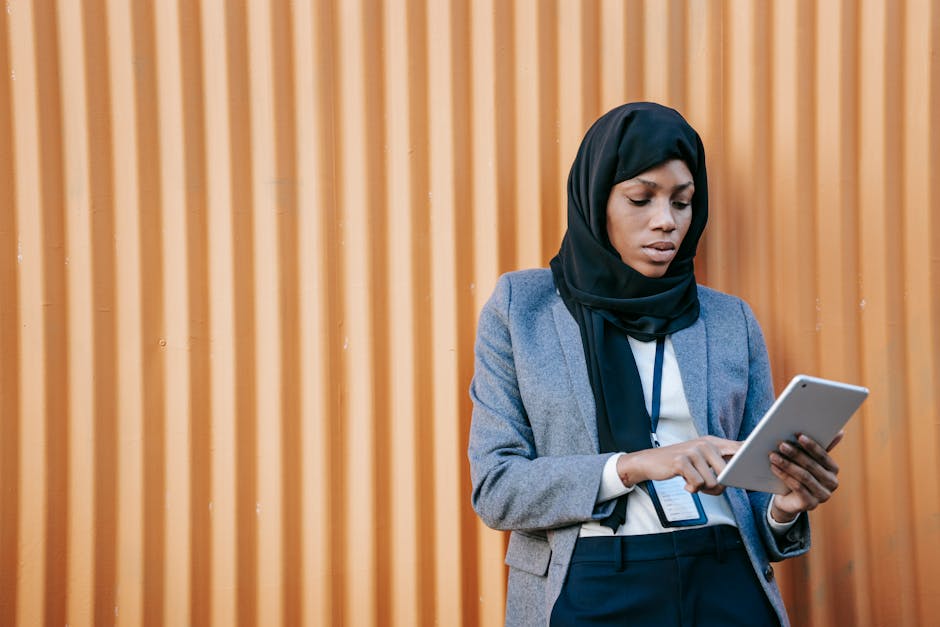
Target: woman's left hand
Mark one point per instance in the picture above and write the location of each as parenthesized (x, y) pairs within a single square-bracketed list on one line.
[(808, 471)]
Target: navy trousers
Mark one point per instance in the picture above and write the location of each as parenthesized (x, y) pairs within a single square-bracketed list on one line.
[(695, 577)]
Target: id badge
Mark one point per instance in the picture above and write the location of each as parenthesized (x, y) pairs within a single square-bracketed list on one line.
[(675, 506)]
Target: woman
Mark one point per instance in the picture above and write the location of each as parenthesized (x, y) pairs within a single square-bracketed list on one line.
[(606, 385)]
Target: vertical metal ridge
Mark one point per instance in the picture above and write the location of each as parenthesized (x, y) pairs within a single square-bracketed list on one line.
[(806, 170), (175, 310), (897, 300), (657, 44), (380, 269), (920, 396), (571, 102), (664, 47), (613, 40), (590, 76), (839, 289), (759, 239), (803, 45), (867, 50), (355, 172), (780, 147), (849, 115), (200, 410), (464, 219), (704, 110), (716, 239), (879, 242), (805, 337), (77, 209), (329, 57), (55, 314), (130, 429), (270, 187), (527, 198), (220, 467), (149, 241), (244, 294), (547, 129), (791, 209), (9, 342), (223, 553), (505, 77), (420, 297), (313, 89), (30, 283), (678, 56), (485, 59), (735, 115), (403, 156), (896, 164), (99, 155), (446, 530), (635, 53), (290, 479), (932, 290)]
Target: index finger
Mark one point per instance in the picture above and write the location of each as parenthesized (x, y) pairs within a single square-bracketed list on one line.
[(725, 448)]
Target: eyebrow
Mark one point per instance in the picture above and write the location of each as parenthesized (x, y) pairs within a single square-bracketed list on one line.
[(655, 185)]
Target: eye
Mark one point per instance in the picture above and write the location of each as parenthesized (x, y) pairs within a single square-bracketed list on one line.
[(639, 202), (681, 205)]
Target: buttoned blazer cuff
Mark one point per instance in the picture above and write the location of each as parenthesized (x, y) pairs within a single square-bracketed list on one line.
[(795, 541)]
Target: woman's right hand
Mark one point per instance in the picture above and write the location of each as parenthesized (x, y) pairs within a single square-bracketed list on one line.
[(698, 461)]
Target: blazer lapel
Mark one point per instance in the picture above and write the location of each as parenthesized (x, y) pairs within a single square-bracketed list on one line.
[(570, 336), (690, 345)]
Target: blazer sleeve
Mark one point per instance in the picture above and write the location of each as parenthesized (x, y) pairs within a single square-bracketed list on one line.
[(516, 486), (760, 396)]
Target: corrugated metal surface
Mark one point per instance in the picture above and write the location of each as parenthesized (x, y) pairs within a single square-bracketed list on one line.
[(243, 246)]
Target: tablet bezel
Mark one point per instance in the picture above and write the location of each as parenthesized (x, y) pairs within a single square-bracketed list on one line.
[(816, 407)]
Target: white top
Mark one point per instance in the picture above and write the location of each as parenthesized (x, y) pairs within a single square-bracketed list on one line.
[(675, 425)]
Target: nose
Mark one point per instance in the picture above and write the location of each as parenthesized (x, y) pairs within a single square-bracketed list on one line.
[(663, 218)]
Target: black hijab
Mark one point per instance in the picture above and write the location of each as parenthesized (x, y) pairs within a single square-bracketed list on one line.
[(609, 299)]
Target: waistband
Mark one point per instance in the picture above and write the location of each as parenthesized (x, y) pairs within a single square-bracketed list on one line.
[(714, 539)]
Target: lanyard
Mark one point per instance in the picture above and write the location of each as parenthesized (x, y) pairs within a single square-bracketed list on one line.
[(684, 509), (657, 388)]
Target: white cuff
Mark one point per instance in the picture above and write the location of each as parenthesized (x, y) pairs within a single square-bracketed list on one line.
[(611, 486), (778, 528)]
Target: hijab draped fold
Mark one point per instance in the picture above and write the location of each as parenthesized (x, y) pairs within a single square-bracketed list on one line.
[(610, 300)]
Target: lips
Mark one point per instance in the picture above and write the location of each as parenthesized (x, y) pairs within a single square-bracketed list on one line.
[(660, 252)]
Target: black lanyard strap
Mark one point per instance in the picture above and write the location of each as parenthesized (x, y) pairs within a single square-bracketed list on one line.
[(657, 388)]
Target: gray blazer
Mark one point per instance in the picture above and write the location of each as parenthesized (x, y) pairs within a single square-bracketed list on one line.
[(534, 459)]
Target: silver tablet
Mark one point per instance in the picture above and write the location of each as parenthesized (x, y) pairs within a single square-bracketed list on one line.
[(817, 407)]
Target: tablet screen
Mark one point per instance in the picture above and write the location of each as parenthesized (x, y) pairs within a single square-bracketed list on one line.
[(817, 407)]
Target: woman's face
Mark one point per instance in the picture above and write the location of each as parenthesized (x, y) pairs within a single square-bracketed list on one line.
[(649, 215)]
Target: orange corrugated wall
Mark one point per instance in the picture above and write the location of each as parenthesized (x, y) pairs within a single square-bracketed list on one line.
[(243, 246)]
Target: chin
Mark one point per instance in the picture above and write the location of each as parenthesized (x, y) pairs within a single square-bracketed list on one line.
[(654, 272), (646, 268)]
